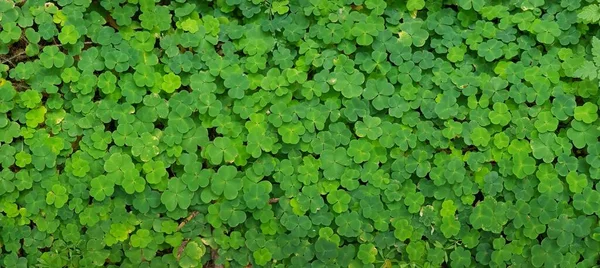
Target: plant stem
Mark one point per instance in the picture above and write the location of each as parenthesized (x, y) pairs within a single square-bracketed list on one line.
[(13, 57)]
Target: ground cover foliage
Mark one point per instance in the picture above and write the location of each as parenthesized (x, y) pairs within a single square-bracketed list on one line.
[(304, 133)]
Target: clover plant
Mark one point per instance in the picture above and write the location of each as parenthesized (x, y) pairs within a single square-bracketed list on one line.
[(304, 133)]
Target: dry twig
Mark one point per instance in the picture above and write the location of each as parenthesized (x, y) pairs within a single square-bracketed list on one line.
[(189, 218), (181, 248), (9, 60)]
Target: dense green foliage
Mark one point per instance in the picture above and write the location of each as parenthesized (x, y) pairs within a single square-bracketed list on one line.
[(299, 133)]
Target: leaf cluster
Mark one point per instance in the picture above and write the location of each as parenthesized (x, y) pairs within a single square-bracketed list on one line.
[(311, 133)]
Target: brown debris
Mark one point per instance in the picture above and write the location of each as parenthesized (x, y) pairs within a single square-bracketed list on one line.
[(189, 218)]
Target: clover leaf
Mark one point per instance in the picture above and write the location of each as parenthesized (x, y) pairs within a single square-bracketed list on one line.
[(587, 113), (359, 150), (299, 133), (102, 187), (68, 35), (226, 182), (577, 182), (290, 133), (58, 196), (52, 56), (257, 195), (145, 147), (349, 84), (176, 195), (369, 127), (221, 150), (480, 136)]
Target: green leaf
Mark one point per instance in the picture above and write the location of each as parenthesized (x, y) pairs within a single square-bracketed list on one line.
[(170, 83), (588, 113), (412, 5), (262, 256), (577, 182), (58, 196), (589, 14), (52, 57), (471, 4), (480, 136), (257, 195), (221, 150), (176, 195), (523, 165), (364, 133), (225, 182), (367, 253), (68, 35), (102, 187)]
